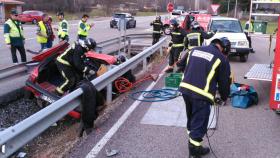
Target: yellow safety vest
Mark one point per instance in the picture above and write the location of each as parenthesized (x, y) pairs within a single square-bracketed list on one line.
[(43, 31), (14, 31), (83, 32), (63, 32)]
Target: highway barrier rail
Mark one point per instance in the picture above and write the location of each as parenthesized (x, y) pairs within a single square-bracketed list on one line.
[(15, 137)]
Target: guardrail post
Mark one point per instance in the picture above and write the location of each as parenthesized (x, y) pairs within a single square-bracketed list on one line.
[(129, 47), (161, 51), (109, 91), (145, 64)]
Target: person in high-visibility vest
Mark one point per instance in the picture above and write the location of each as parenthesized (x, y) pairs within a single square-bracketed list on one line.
[(63, 28), (14, 39), (176, 44), (249, 28), (206, 68), (84, 27), (157, 27), (42, 32)]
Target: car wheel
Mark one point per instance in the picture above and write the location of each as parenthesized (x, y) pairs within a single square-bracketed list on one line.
[(111, 26), (166, 30), (34, 21), (243, 57), (134, 25)]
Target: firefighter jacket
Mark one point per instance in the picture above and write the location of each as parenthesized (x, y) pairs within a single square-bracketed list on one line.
[(157, 26), (74, 56), (178, 37), (13, 32), (206, 67), (196, 38)]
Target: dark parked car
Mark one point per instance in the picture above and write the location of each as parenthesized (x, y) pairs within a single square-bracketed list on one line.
[(130, 22), (32, 16)]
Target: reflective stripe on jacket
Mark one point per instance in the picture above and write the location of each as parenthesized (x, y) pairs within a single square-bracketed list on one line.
[(206, 68)]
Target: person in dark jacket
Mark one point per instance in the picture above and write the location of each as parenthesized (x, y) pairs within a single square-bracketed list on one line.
[(157, 27), (71, 62), (14, 39), (178, 36), (206, 67), (197, 36)]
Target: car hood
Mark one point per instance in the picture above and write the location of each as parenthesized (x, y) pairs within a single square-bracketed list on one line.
[(233, 37)]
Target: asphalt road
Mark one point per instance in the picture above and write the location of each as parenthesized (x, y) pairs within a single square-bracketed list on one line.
[(241, 133), (100, 32)]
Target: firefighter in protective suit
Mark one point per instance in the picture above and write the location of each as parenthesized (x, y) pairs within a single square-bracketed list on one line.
[(157, 27), (177, 45), (195, 38), (197, 35), (206, 67), (71, 62)]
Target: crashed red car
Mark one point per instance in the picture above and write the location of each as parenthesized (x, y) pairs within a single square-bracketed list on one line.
[(45, 77)]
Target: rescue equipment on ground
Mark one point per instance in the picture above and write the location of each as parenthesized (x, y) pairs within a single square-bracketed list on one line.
[(243, 96)]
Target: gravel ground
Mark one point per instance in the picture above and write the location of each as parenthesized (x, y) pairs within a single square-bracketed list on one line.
[(17, 111)]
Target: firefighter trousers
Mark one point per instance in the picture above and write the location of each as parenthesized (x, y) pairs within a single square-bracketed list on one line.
[(198, 112), (69, 78), (174, 55), (156, 37)]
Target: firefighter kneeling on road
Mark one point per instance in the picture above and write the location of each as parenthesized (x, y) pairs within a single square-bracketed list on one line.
[(157, 27), (206, 67), (71, 62), (178, 36)]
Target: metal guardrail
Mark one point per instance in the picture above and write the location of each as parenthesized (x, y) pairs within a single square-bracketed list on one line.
[(13, 138), (12, 71), (20, 69)]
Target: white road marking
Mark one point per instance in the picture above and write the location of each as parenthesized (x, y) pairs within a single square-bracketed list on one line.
[(98, 147)]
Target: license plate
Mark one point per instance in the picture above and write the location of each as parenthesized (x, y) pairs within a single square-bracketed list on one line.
[(233, 50), (46, 98)]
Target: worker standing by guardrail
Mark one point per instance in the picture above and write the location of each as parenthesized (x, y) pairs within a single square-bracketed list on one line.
[(157, 27), (13, 33), (84, 27), (44, 33), (177, 44), (206, 67), (63, 27)]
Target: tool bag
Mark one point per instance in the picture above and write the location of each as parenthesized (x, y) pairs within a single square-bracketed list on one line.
[(243, 96)]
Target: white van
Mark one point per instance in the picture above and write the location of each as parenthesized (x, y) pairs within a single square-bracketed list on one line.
[(230, 28)]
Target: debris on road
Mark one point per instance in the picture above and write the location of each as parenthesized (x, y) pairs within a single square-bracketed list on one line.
[(110, 153)]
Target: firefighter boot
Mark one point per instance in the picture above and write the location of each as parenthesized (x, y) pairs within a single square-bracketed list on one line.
[(197, 151)]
